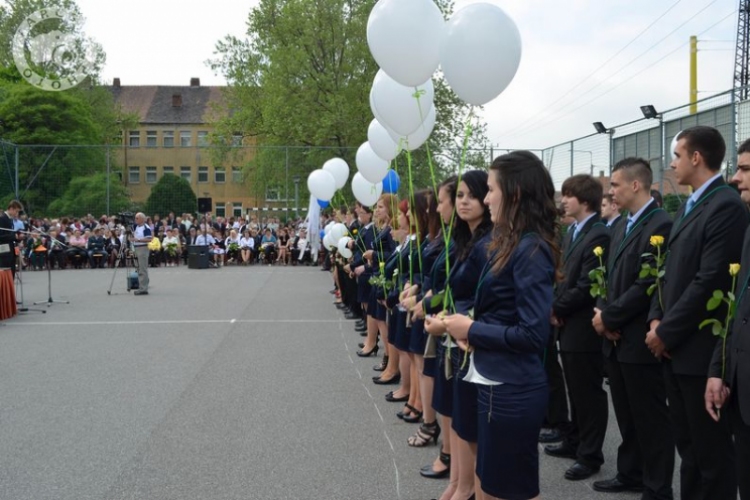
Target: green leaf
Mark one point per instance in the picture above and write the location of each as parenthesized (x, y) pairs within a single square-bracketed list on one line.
[(644, 273), (661, 273), (707, 322), (731, 296), (437, 300), (651, 289), (713, 303), (718, 294), (718, 330)]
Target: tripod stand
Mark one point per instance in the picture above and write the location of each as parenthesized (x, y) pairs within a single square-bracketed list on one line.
[(50, 300), (127, 250)]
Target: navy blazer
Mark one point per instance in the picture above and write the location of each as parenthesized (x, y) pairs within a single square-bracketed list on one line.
[(511, 312), (363, 242), (701, 246), (382, 246), (465, 276)]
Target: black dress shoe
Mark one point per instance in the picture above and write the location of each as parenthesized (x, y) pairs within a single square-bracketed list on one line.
[(392, 399), (616, 486), (363, 333), (360, 324), (579, 471), (392, 380), (339, 305), (360, 328), (351, 315), (562, 450), (550, 436)]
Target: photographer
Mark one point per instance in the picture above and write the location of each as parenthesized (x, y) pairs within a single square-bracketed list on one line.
[(141, 237), (8, 237)]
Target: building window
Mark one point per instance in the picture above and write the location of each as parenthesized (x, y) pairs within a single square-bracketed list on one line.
[(150, 138), (273, 194), (237, 175), (134, 175), (134, 138), (236, 139), (186, 138), (202, 174), (150, 175), (221, 210), (168, 170), (220, 175), (202, 138), (168, 138), (186, 173), (237, 209)]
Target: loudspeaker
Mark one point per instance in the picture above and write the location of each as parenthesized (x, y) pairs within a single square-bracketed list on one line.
[(205, 205), (197, 257)]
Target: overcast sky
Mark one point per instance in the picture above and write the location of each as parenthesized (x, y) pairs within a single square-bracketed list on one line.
[(554, 96)]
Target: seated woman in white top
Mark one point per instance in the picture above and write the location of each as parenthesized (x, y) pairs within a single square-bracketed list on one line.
[(247, 243), (232, 245), (171, 247)]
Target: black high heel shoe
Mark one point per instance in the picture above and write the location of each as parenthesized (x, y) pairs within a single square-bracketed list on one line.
[(425, 434), (383, 365), (373, 351), (428, 472)]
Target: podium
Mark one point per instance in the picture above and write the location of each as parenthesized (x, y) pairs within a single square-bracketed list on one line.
[(8, 307), (198, 257)]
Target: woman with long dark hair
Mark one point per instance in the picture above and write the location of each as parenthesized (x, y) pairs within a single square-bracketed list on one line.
[(511, 326), (471, 236)]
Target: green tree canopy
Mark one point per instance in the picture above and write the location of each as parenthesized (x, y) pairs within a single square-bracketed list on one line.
[(302, 77), (88, 195), (171, 194)]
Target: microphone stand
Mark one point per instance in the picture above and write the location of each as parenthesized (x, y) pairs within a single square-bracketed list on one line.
[(50, 300), (19, 278)]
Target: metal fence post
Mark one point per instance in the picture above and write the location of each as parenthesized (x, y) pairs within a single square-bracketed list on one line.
[(108, 180), (16, 165), (572, 157)]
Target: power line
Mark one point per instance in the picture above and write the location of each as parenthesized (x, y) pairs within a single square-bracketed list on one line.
[(637, 73), (585, 79), (557, 114)]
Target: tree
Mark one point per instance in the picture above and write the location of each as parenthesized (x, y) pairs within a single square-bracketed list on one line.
[(171, 194), (302, 78), (49, 129), (88, 195)]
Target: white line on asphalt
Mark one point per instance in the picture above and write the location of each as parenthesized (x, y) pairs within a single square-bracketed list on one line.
[(390, 443), (346, 346), (168, 322), (398, 485), (378, 410), (350, 359), (234, 320), (359, 373), (368, 391)]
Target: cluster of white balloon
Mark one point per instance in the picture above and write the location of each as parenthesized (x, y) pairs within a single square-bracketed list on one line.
[(478, 50)]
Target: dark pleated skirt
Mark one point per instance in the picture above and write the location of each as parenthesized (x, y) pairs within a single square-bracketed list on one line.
[(442, 393), (509, 420), (417, 338), (464, 399), (401, 338), (363, 289), (375, 308)]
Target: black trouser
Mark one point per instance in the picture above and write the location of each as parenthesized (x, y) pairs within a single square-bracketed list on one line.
[(646, 454), (557, 409), (584, 376), (707, 471), (350, 290), (741, 447)]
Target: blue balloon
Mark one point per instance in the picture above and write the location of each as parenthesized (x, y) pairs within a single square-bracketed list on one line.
[(322, 234), (323, 204), (391, 182)]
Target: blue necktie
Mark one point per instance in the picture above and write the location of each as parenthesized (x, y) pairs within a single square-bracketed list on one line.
[(576, 231), (689, 205), (629, 226)]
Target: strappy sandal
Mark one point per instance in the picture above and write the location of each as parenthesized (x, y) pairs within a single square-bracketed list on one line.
[(425, 434), (415, 417), (406, 411)]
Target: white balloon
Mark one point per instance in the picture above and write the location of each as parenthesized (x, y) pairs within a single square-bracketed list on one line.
[(365, 191), (371, 166), (399, 107), (339, 169), (338, 231), (480, 52), (673, 145), (343, 249), (419, 136), (321, 184), (404, 38), (328, 228), (330, 245), (381, 142)]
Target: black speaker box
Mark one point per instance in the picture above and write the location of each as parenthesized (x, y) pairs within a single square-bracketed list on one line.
[(205, 205)]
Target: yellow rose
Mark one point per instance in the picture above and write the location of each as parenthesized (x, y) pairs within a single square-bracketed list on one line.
[(657, 240), (598, 251), (354, 232), (382, 266), (734, 269)]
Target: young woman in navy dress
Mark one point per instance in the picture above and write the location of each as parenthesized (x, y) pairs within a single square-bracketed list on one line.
[(511, 326), (472, 234)]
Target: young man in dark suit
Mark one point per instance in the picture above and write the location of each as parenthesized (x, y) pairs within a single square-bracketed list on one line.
[(610, 212), (731, 378), (8, 236), (703, 242), (580, 346), (645, 459)]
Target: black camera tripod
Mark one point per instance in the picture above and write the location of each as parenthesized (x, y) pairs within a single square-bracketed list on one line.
[(127, 251)]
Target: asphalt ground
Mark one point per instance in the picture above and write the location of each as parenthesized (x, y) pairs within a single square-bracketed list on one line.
[(234, 383)]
